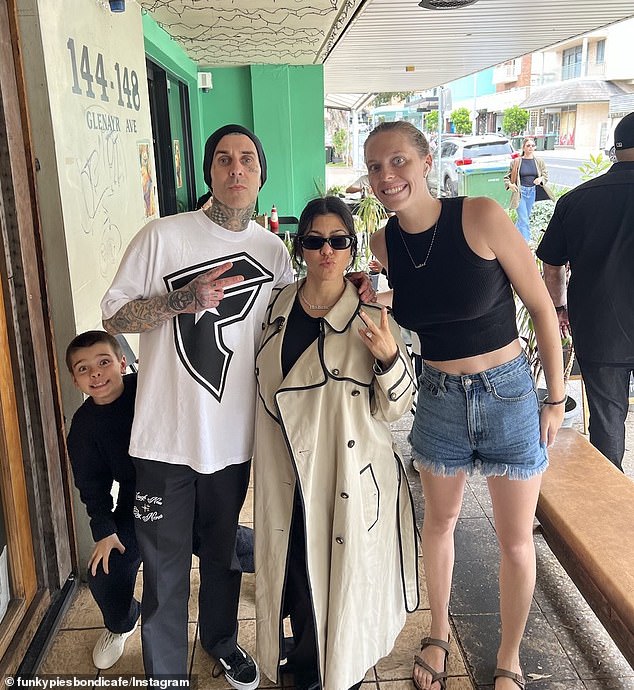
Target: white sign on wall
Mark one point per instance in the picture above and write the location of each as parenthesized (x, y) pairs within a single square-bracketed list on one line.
[(97, 83)]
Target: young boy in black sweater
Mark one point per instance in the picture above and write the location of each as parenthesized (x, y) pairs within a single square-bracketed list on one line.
[(98, 447)]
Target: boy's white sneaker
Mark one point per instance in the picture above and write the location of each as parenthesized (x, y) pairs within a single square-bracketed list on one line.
[(109, 648)]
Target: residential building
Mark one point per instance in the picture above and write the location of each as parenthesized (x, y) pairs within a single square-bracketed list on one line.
[(582, 87)]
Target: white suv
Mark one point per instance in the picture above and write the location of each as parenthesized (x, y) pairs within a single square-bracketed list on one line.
[(471, 153)]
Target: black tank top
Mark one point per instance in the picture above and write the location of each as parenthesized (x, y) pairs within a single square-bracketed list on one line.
[(528, 172), (459, 304)]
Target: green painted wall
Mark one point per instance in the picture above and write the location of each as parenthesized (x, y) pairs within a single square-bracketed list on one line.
[(307, 87), (288, 115), (229, 102), (283, 104)]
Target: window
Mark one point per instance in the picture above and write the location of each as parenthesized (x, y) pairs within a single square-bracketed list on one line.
[(571, 63), (601, 52), (490, 149)]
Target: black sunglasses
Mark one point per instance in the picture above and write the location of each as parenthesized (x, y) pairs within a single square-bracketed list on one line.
[(338, 242)]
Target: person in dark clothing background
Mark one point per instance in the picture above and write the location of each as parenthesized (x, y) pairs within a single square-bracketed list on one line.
[(592, 230)]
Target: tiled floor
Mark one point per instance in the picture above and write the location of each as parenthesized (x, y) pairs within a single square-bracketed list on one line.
[(71, 650), (565, 647)]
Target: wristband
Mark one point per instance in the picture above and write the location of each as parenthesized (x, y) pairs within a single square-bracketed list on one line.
[(561, 307), (556, 402)]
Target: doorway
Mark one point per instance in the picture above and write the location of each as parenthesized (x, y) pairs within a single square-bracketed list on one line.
[(171, 134)]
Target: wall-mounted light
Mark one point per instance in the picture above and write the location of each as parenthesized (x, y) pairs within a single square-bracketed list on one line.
[(444, 4), (117, 5), (204, 81)]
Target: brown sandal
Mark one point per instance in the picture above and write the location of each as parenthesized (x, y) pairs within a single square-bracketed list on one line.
[(439, 677), (517, 678)]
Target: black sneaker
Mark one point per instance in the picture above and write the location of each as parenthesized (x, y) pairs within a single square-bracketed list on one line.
[(240, 670)]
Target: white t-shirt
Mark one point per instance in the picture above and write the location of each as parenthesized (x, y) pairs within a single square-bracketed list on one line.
[(196, 389)]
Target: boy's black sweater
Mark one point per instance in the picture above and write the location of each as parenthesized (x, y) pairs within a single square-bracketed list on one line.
[(98, 444)]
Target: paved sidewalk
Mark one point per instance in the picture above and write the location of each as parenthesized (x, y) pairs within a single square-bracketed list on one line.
[(565, 646)]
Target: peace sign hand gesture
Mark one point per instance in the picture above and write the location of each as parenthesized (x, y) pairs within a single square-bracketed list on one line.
[(379, 339)]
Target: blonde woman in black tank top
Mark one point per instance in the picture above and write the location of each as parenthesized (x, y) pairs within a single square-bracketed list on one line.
[(451, 263)]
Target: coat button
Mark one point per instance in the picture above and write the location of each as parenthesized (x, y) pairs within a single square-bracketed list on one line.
[(350, 444), (257, 371), (355, 393), (344, 494), (392, 396), (339, 540), (335, 372)]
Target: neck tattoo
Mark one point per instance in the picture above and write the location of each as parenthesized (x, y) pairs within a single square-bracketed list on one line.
[(314, 307), (431, 244), (234, 219)]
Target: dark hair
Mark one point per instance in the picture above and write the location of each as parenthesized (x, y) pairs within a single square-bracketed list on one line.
[(88, 339), (202, 200), (416, 138), (322, 206)]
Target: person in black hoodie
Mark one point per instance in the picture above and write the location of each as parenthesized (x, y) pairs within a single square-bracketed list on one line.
[(98, 444)]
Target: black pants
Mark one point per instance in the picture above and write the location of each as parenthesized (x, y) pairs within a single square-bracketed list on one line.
[(607, 388), (298, 605), (114, 593), (173, 503)]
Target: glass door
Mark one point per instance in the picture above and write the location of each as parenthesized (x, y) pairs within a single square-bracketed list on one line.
[(17, 562)]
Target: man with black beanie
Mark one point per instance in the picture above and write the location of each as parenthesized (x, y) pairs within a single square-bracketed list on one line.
[(196, 287), (592, 229)]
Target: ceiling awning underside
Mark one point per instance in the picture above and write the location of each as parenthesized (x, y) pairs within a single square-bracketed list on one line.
[(373, 46), (348, 101)]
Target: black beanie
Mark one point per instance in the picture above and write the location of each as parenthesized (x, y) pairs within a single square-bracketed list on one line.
[(212, 143)]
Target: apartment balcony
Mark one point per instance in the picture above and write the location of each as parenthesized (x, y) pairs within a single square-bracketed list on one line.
[(503, 74)]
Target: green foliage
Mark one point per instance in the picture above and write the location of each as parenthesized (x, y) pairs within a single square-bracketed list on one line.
[(335, 190), (596, 166), (431, 121), (340, 142), (387, 97), (368, 218), (461, 121), (514, 120)]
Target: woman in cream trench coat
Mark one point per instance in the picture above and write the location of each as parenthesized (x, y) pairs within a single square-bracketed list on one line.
[(324, 427)]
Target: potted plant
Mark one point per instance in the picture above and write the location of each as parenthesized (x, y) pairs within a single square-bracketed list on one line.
[(369, 217), (529, 339)]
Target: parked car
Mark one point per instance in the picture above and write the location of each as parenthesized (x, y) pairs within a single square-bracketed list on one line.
[(465, 153)]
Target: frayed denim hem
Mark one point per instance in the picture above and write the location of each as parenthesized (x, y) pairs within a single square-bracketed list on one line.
[(486, 469)]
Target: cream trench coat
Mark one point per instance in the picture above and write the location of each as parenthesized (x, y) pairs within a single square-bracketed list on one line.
[(325, 426), (542, 191)]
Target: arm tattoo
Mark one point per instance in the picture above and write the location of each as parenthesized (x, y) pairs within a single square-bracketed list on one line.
[(142, 315), (235, 219)]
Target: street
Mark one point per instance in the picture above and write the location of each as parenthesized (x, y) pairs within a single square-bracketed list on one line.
[(563, 172)]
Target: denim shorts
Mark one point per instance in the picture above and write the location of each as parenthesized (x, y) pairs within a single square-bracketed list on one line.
[(486, 422)]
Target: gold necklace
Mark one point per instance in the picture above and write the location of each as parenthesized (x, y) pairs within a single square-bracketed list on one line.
[(315, 307), (431, 244)]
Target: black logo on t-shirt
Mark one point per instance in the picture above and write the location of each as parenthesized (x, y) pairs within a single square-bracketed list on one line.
[(199, 337)]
